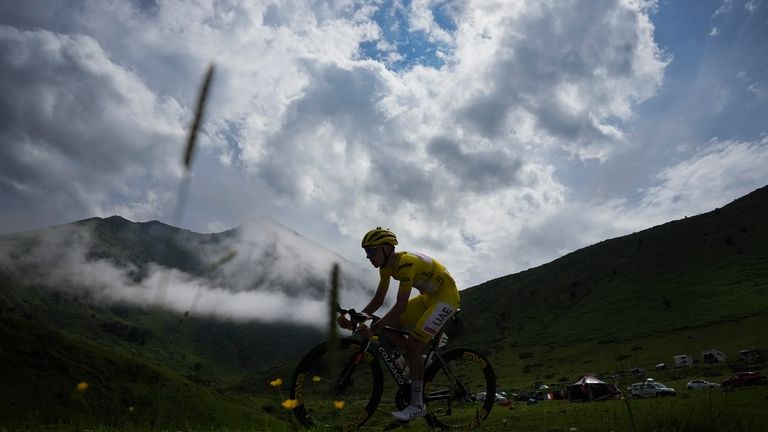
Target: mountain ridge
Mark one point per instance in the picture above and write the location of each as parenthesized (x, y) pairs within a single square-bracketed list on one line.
[(53, 274)]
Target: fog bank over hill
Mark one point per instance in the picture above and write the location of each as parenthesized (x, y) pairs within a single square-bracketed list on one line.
[(260, 271)]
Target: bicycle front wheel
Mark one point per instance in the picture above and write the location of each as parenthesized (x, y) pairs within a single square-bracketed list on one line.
[(459, 389), (337, 392)]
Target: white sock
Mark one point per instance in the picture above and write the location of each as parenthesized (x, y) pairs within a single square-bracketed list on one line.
[(417, 398)]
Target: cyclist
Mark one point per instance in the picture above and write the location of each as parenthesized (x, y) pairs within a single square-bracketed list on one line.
[(424, 314)]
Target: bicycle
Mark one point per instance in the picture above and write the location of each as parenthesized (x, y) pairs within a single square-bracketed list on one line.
[(343, 394)]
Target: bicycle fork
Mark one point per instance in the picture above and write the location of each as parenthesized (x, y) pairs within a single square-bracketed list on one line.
[(345, 377)]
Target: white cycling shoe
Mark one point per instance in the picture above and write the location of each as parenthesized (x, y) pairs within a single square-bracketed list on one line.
[(409, 413)]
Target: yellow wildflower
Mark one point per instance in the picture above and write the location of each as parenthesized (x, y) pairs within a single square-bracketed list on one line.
[(276, 383), (83, 386), (338, 404), (290, 404)]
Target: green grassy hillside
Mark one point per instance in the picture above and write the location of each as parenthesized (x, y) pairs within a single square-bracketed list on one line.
[(682, 287), (215, 351), (43, 369), (699, 270)]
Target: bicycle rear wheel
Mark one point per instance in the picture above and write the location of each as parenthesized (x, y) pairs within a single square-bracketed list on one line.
[(337, 395), (451, 387)]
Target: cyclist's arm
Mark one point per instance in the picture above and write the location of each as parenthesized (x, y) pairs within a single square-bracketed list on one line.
[(392, 317), (378, 298), (406, 274)]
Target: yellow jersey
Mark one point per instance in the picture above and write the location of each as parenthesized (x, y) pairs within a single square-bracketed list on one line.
[(415, 270)]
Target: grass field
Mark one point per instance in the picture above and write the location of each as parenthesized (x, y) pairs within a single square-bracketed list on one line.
[(691, 411), (744, 410), (522, 367)]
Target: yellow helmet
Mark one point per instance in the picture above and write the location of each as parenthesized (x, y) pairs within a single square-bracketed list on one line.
[(378, 237)]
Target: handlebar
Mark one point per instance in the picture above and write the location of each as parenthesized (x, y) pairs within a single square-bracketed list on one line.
[(356, 317)]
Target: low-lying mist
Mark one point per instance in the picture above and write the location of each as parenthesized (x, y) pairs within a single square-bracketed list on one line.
[(260, 271)]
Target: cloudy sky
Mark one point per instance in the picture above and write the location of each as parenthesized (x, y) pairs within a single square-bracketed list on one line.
[(493, 135)]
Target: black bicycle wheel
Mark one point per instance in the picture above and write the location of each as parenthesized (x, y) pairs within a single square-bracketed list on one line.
[(452, 384), (337, 395)]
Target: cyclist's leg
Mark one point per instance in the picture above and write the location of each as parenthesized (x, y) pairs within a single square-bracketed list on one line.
[(413, 312), (415, 309), (439, 307)]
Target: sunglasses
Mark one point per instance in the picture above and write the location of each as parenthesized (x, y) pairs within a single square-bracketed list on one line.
[(371, 252)]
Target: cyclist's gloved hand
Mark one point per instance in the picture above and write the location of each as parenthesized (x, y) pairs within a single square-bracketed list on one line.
[(343, 322), (364, 331)]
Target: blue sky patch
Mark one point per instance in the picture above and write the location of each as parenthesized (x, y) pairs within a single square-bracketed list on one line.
[(400, 47)]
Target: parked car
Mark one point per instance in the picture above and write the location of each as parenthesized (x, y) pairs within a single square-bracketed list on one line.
[(744, 379), (650, 389), (701, 384)]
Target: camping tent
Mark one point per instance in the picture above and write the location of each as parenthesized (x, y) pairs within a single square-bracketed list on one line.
[(589, 388)]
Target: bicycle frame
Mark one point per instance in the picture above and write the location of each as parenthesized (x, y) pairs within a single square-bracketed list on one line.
[(431, 355), (394, 370)]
